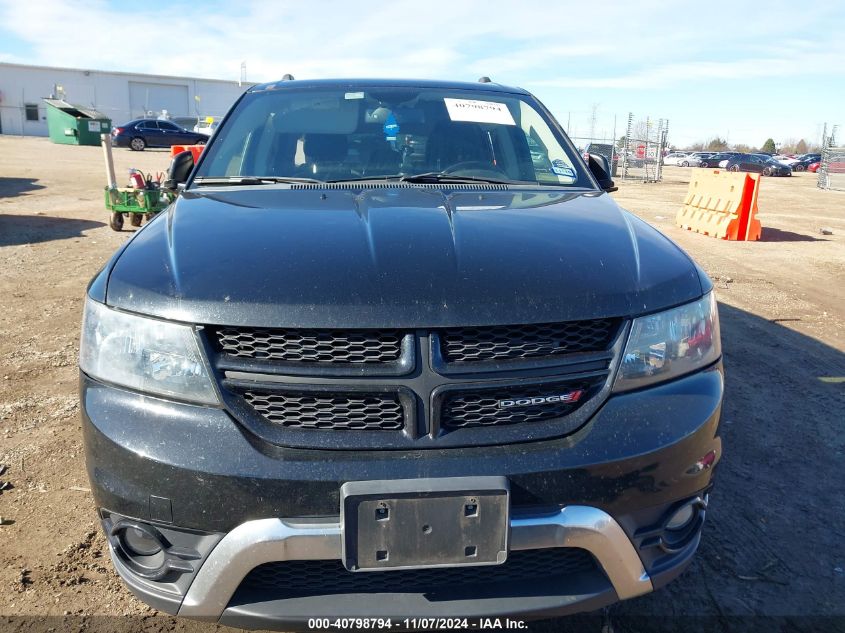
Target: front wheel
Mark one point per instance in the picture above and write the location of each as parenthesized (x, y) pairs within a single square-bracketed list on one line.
[(135, 219), (137, 144), (767, 171), (116, 221), (734, 168), (685, 163), (798, 168)]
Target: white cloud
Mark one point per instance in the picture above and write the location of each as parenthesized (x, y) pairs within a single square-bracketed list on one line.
[(642, 54), (459, 39), (668, 75)]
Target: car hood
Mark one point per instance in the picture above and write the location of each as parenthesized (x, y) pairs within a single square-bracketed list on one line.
[(397, 257)]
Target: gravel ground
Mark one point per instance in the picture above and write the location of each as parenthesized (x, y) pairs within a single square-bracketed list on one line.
[(773, 551)]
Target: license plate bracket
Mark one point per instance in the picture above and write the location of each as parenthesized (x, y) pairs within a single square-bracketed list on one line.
[(420, 523)]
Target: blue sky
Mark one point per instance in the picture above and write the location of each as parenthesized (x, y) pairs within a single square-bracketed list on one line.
[(741, 70)]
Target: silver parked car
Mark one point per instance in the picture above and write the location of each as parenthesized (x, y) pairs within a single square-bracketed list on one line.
[(675, 158)]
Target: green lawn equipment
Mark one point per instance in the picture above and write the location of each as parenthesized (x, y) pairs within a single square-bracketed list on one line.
[(141, 201)]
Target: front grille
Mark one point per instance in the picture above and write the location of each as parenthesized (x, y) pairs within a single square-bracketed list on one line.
[(481, 407), (325, 577), (337, 412), (311, 346), (509, 342)]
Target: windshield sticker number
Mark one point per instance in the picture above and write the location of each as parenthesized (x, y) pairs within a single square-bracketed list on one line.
[(478, 111), (354, 95), (562, 169), (391, 128)]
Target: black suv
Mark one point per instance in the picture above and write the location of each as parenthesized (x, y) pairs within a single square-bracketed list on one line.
[(373, 363)]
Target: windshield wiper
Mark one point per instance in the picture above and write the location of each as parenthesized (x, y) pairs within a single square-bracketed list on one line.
[(252, 180), (432, 177), (439, 176)]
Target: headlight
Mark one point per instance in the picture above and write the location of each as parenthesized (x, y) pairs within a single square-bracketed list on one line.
[(147, 355), (670, 344)]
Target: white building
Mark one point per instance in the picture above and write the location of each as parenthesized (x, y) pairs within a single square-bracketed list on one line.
[(120, 96)]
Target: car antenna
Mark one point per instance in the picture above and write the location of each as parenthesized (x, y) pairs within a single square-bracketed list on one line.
[(484, 80), (287, 77)]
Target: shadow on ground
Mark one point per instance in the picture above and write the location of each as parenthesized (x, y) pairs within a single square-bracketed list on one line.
[(777, 235), (773, 550), (11, 187), (31, 229)]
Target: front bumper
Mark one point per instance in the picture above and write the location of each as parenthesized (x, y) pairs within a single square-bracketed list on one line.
[(256, 542), (194, 471)]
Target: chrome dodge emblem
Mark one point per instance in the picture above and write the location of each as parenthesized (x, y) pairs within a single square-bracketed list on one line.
[(572, 396)]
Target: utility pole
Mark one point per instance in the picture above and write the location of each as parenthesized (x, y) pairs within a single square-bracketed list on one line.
[(627, 145)]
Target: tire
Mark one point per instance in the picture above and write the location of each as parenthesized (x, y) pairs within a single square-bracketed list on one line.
[(137, 144), (798, 168), (734, 168), (767, 171), (116, 221), (135, 219), (685, 163)]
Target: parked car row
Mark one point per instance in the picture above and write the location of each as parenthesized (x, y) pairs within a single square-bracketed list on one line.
[(760, 163)]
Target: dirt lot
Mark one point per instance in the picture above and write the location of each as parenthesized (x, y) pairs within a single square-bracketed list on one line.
[(774, 544)]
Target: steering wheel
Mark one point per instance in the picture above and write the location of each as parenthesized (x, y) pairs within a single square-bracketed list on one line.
[(472, 165)]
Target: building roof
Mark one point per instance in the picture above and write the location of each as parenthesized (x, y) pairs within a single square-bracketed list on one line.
[(90, 71)]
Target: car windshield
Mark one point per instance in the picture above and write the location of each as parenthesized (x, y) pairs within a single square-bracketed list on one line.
[(359, 133)]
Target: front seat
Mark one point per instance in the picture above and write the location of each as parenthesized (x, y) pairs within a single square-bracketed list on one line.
[(325, 156), (453, 142)]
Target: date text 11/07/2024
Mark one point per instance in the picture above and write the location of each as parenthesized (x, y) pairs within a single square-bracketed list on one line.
[(417, 624)]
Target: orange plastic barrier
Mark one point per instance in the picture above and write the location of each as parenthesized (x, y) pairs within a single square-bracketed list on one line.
[(722, 204), (196, 150)]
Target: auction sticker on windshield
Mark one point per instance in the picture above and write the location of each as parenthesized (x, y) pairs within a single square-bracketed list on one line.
[(478, 111)]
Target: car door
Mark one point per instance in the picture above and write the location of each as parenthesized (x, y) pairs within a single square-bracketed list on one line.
[(172, 134), (152, 135), (753, 164)]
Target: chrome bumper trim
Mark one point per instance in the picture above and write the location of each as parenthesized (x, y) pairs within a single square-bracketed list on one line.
[(266, 540)]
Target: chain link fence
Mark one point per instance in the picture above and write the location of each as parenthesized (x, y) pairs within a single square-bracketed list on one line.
[(832, 167), (635, 155), (644, 145)]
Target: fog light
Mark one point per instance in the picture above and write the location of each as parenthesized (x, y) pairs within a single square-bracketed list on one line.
[(140, 542), (681, 518)]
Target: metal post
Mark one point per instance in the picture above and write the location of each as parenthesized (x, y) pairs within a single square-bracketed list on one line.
[(613, 152), (627, 146), (111, 181)]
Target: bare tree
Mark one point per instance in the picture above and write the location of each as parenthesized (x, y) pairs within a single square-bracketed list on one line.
[(745, 149)]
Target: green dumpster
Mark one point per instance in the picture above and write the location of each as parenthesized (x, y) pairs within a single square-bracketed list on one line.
[(75, 125)]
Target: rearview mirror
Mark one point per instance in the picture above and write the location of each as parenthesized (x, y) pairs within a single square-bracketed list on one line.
[(180, 168), (600, 168)]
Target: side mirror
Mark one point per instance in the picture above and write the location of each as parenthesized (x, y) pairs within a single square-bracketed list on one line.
[(600, 168), (180, 168)]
